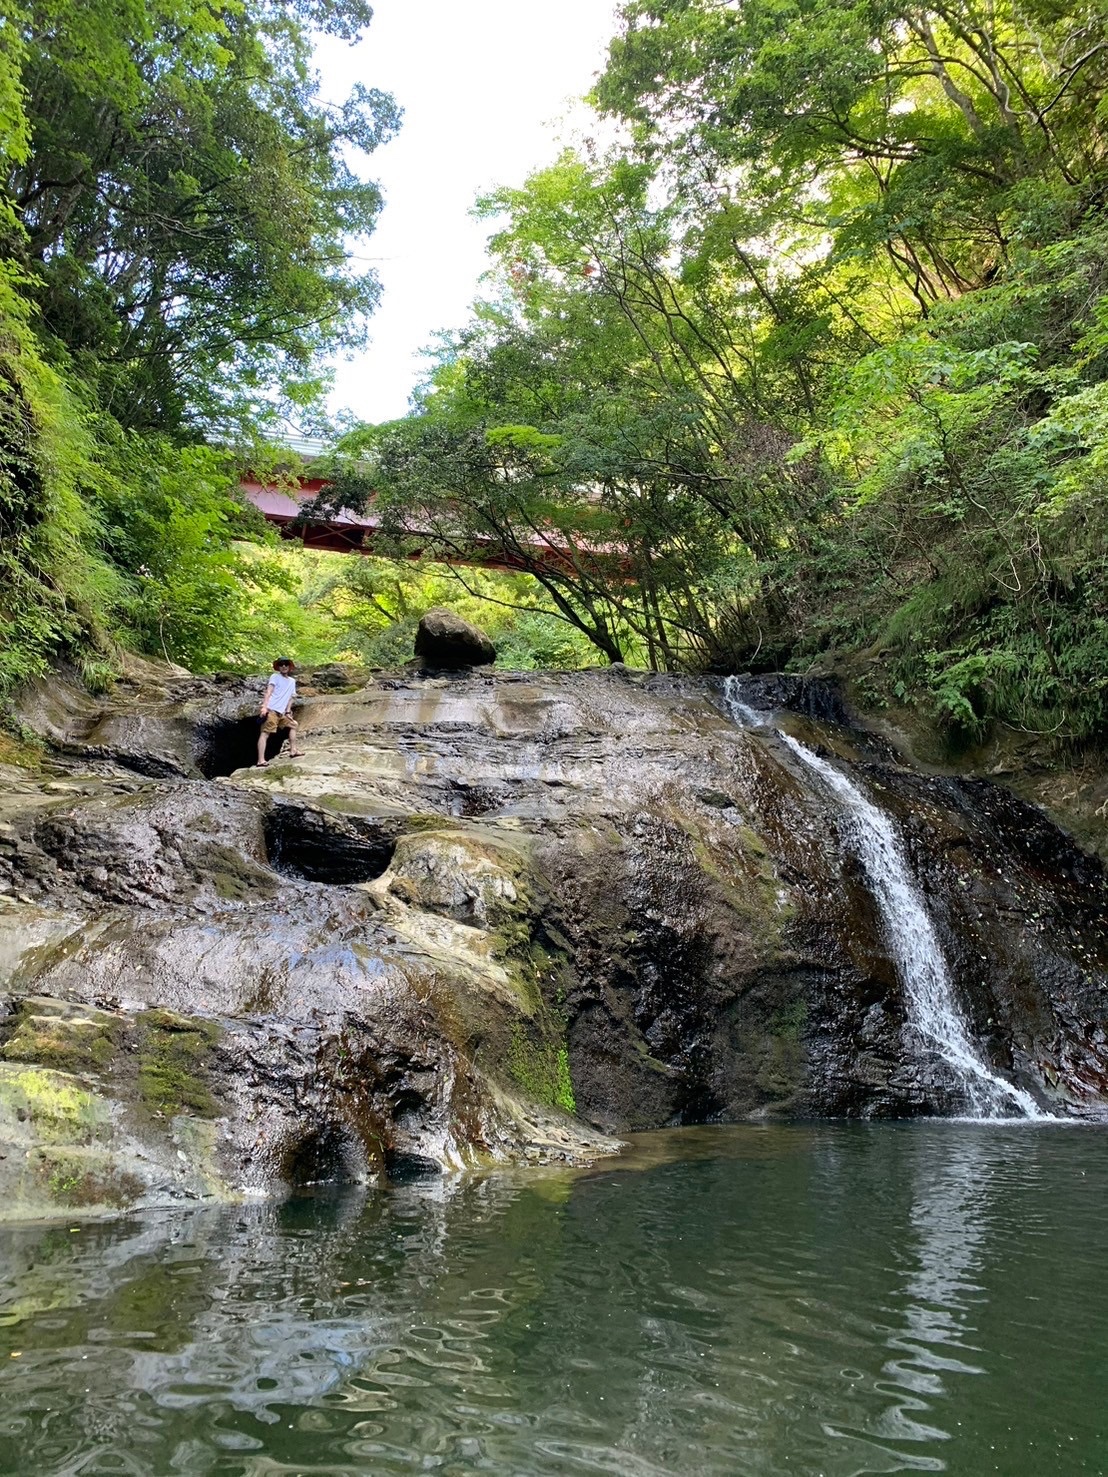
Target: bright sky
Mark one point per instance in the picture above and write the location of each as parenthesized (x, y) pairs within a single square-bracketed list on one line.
[(487, 87)]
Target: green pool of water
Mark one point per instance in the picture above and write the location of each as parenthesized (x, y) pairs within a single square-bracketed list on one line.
[(797, 1300)]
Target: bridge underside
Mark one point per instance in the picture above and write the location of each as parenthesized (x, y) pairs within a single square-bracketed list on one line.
[(355, 533)]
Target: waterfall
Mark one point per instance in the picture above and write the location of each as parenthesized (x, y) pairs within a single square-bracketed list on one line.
[(929, 992), (742, 713)]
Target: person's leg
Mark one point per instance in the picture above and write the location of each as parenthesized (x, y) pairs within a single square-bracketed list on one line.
[(285, 729), (263, 737), (294, 752)]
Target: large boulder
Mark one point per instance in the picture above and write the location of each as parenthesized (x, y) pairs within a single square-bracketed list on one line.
[(445, 642)]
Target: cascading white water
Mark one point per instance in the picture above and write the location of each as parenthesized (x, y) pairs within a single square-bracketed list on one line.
[(743, 714), (932, 1007)]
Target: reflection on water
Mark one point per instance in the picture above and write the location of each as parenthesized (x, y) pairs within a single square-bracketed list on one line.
[(948, 1222), (827, 1300)]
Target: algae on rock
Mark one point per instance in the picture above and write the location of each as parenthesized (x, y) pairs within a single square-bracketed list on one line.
[(489, 918)]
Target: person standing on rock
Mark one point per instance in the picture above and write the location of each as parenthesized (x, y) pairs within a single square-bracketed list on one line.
[(276, 709)]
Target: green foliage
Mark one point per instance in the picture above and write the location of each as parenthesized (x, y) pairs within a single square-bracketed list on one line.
[(54, 590), (187, 202), (172, 517), (599, 425), (970, 550), (813, 373), (178, 209), (367, 610), (538, 639), (903, 131), (541, 1070)]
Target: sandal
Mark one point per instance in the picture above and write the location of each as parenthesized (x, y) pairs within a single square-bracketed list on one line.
[(296, 753), (261, 764)]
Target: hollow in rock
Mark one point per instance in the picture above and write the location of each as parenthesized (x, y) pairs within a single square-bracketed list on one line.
[(226, 744), (318, 847), (325, 1155)]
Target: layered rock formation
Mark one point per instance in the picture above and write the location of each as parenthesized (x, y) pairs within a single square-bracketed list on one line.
[(488, 917)]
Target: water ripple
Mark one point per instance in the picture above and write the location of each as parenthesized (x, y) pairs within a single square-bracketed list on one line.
[(834, 1300)]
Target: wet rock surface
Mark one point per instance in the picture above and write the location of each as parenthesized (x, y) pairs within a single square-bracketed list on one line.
[(490, 917)]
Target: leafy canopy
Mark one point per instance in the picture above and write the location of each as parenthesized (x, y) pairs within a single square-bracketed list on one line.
[(188, 203)]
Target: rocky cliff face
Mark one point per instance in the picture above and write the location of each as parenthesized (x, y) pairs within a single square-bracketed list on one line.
[(488, 917)]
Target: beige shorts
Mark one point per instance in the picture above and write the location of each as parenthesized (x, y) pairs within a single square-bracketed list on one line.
[(274, 721)]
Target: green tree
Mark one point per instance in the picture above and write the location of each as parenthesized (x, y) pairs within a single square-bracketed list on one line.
[(619, 430), (178, 213), (188, 206), (895, 127)]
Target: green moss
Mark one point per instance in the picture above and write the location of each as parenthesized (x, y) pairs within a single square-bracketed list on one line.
[(235, 878), (563, 1095), (270, 776), (541, 1070), (68, 1043), (161, 1053), (21, 748), (230, 888), (769, 1041), (780, 1069), (753, 890), (77, 1180), (526, 963), (645, 1060), (172, 1051), (428, 822), (787, 1024), (59, 1108)]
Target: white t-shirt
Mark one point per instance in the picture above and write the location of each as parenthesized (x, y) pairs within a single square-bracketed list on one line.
[(282, 690)]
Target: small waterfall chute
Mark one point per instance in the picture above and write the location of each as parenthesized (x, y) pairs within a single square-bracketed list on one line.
[(932, 1005)]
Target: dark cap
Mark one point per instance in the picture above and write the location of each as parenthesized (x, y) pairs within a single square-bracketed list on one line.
[(284, 661)]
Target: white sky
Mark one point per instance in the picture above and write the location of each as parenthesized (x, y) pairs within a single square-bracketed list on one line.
[(486, 87)]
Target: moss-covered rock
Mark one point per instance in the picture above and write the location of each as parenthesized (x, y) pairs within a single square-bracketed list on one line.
[(96, 1106), (476, 904), (52, 1107), (74, 1179), (541, 1069), (69, 1037), (61, 1147), (173, 1061)]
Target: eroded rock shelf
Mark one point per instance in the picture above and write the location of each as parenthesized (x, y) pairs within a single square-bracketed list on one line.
[(489, 917)]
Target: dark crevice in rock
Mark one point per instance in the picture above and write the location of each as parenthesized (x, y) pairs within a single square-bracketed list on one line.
[(468, 801), (323, 1156), (151, 764), (226, 744), (318, 847), (408, 1107), (697, 1104), (404, 1169)]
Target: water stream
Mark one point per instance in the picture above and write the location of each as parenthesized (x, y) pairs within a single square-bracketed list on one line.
[(933, 1009)]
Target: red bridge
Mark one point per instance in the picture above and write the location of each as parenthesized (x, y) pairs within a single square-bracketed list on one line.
[(282, 504)]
